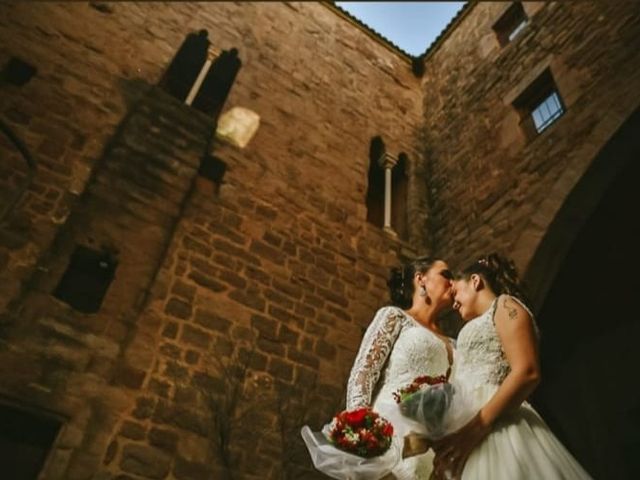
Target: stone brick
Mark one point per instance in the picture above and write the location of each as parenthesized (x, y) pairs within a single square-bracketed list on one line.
[(186, 470), (163, 439), (170, 330), (270, 347), (129, 376), (207, 282), (266, 326), (211, 321), (175, 371), (302, 357), (195, 336), (280, 369), (325, 350), (288, 336), (232, 279), (145, 407), (191, 357), (285, 316), (267, 252), (159, 387), (145, 461), (248, 298), (170, 350), (133, 430), (276, 297), (180, 417), (258, 275), (183, 290), (178, 308), (196, 246)]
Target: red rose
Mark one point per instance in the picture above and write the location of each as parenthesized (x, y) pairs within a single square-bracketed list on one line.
[(357, 417)]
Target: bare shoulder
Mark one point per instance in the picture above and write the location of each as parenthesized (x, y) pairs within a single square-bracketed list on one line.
[(509, 308)]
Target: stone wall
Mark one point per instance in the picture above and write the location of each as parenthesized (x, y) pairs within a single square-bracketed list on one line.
[(492, 188), (236, 309)]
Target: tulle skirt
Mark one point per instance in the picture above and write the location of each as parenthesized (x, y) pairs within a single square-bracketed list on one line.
[(520, 447)]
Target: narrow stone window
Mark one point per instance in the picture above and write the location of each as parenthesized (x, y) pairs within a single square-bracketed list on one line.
[(86, 280), (200, 75), (375, 183), (214, 90), (399, 190), (539, 105), (25, 442), (511, 23), (18, 72), (186, 65)]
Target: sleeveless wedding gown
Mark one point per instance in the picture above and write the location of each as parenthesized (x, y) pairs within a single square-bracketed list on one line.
[(395, 350), (520, 446)]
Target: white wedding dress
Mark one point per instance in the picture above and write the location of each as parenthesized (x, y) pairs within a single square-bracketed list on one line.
[(521, 446), (394, 351)]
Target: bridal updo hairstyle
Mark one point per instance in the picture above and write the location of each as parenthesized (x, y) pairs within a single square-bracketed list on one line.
[(400, 282), (499, 273)]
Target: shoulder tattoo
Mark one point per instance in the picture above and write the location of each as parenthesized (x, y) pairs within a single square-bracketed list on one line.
[(509, 306)]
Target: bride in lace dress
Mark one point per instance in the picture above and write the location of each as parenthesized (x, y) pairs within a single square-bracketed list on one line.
[(403, 342), (497, 359)]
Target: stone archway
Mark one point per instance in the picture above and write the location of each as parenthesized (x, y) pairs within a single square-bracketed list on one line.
[(586, 277)]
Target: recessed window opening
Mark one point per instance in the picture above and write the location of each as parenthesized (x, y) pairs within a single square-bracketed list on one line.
[(375, 183), (87, 279), (511, 23), (18, 72), (25, 442), (539, 105)]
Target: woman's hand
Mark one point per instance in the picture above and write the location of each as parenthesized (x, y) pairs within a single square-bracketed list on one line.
[(453, 450)]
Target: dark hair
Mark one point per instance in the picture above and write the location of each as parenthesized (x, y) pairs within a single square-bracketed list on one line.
[(400, 281), (500, 274)]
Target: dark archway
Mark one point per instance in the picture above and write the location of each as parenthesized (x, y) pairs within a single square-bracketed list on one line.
[(590, 327)]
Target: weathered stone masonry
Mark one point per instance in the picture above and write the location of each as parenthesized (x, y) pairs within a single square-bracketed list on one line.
[(233, 317), (236, 309)]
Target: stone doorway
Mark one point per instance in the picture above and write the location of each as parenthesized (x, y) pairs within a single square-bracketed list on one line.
[(589, 319), (25, 442)]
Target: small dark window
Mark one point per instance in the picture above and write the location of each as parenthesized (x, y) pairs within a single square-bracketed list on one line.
[(212, 168), (539, 105), (375, 183), (18, 72), (87, 279), (511, 23), (25, 441)]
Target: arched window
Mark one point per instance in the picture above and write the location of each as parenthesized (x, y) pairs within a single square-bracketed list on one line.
[(381, 162), (375, 183), (399, 190)]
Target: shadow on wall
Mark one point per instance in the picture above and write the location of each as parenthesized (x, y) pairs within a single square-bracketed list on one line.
[(589, 320)]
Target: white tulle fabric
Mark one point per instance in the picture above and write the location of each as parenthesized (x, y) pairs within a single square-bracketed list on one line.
[(395, 350), (521, 446)]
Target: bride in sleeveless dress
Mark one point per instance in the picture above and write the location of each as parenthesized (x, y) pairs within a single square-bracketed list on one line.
[(403, 342), (497, 361)]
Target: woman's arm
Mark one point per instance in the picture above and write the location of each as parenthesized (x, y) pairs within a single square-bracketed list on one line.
[(376, 345), (519, 343)]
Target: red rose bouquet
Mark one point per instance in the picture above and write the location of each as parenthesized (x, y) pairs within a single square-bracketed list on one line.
[(356, 445), (361, 431)]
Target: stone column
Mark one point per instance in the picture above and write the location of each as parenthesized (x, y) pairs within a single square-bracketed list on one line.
[(212, 54), (387, 161)]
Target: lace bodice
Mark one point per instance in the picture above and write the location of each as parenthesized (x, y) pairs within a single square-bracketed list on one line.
[(395, 350), (480, 359)]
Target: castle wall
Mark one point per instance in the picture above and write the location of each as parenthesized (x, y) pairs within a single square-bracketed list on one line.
[(236, 310), (493, 187)]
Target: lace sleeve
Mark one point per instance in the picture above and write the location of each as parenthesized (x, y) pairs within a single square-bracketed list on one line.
[(374, 350)]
